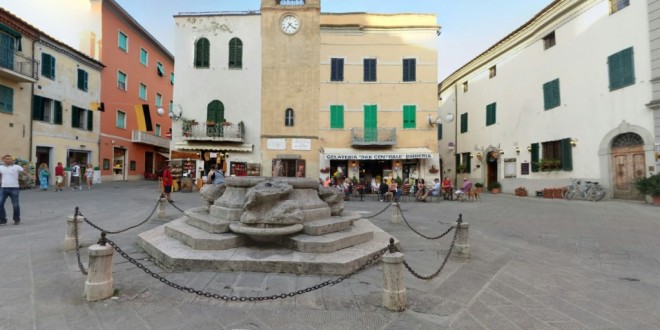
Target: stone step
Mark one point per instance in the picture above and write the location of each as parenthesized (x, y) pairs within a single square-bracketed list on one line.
[(199, 239), (198, 217), (176, 256), (331, 242), (330, 225)]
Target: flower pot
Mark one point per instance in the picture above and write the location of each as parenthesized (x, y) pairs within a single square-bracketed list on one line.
[(656, 200), (495, 190)]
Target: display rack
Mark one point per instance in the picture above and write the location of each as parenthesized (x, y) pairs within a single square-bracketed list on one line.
[(253, 169), (238, 169)]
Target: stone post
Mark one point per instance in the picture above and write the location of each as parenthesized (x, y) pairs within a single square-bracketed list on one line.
[(396, 213), (99, 276), (394, 289), (70, 238), (162, 202), (461, 247)]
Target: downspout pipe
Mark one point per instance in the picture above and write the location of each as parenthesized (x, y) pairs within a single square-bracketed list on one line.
[(455, 131), (32, 105)]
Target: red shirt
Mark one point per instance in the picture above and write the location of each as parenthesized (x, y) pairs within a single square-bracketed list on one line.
[(167, 177), (59, 170)]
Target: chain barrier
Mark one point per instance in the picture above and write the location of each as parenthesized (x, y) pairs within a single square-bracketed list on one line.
[(444, 262), (121, 230), (420, 234), (374, 259), (75, 233), (176, 207), (377, 214)]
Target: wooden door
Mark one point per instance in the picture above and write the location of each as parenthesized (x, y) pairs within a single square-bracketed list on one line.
[(628, 165)]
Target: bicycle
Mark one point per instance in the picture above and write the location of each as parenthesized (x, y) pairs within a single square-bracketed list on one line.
[(588, 190)]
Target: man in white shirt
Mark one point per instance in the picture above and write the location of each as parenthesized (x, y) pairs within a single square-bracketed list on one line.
[(10, 188), (75, 176)]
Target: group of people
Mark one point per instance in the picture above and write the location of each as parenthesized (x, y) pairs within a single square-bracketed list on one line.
[(43, 173), (216, 176)]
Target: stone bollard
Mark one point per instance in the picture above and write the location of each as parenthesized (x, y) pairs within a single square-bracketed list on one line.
[(396, 213), (99, 276), (461, 247), (162, 202), (394, 289), (72, 224)]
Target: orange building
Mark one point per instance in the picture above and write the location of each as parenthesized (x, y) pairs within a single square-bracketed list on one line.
[(136, 96)]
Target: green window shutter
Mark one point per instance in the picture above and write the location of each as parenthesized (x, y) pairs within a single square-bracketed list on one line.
[(336, 116), (37, 114), (439, 132), (468, 163), (535, 157), (409, 116), (621, 69), (491, 116), (370, 123), (172, 78), (566, 155), (58, 113), (6, 99), (215, 111), (202, 53), (143, 56), (74, 117), (551, 97), (458, 161), (82, 79), (464, 122), (235, 53), (90, 120), (47, 65), (627, 67)]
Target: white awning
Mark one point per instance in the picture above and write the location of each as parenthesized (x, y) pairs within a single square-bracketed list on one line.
[(358, 154), (214, 146)]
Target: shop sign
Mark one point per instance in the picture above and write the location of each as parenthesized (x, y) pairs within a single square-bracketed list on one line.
[(377, 156)]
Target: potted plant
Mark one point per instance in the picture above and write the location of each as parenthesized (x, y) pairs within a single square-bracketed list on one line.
[(480, 187), (433, 169), (495, 187), (650, 186), (461, 168), (521, 191)]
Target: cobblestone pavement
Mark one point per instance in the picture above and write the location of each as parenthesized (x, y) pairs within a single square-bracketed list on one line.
[(536, 264)]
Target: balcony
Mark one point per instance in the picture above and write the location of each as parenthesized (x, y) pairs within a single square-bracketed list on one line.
[(381, 136), (150, 139), (17, 67), (210, 131)]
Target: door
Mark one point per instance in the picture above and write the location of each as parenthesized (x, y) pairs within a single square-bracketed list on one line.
[(492, 167), (43, 156), (148, 164), (628, 164), (370, 124)]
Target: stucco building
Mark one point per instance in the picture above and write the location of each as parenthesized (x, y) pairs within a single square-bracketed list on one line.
[(563, 96)]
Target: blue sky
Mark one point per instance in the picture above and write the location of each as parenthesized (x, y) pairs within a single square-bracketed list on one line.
[(468, 26)]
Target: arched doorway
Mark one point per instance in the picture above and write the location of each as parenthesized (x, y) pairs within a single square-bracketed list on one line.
[(628, 164), (491, 167)]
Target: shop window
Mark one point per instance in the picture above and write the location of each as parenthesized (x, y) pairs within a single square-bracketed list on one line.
[(288, 168)]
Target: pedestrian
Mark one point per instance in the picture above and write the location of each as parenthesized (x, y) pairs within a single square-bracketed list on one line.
[(59, 176), (167, 182), (10, 188), (75, 176), (89, 175), (216, 175), (43, 177)]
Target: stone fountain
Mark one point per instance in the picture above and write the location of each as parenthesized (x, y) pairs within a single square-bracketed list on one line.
[(262, 224)]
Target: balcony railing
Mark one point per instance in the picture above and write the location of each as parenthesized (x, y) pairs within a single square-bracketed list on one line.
[(215, 132), (382, 136), (17, 66), (291, 2), (150, 139)]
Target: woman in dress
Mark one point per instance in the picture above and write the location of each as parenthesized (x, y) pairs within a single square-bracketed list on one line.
[(43, 176), (89, 175)]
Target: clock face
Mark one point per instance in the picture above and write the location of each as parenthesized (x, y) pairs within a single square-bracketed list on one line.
[(290, 24)]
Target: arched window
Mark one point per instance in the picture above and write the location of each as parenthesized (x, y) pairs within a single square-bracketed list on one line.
[(289, 117), (235, 53), (202, 53), (215, 112)]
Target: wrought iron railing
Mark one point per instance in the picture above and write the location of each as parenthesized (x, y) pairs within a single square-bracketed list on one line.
[(19, 63), (216, 132), (291, 2), (373, 136)]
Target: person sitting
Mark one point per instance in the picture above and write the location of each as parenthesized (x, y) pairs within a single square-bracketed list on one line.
[(435, 191), (394, 190), (405, 191), (421, 189), (447, 189), (382, 190), (467, 185)]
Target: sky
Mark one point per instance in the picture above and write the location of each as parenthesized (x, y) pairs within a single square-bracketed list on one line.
[(468, 27)]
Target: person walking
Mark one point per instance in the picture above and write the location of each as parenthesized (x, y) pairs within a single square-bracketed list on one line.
[(43, 177), (75, 176), (59, 176), (10, 188), (167, 182), (89, 175)]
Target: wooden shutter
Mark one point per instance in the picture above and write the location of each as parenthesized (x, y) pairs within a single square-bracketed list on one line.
[(551, 97), (409, 120), (621, 69), (566, 155), (235, 53), (491, 114), (202, 53), (464, 122), (458, 161), (337, 69), (75, 122), (439, 132), (81, 79), (90, 120), (58, 113), (535, 157), (37, 113), (468, 163), (336, 116)]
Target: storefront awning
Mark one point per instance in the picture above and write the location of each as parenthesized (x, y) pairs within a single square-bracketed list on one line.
[(166, 155), (357, 154), (214, 147)]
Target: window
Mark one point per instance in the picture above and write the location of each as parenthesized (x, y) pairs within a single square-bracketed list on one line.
[(144, 57), (159, 100), (464, 122), (551, 97), (81, 118), (82, 79), (465, 86), (121, 119), (171, 108), (549, 40), (143, 92), (121, 80), (556, 155), (409, 69), (47, 66), (47, 110), (336, 116), (157, 130), (369, 73), (235, 53), (159, 69), (492, 71), (616, 5), (621, 69), (463, 162), (288, 117), (123, 41), (6, 99), (491, 114), (337, 69), (409, 116), (439, 132), (215, 112), (172, 78), (202, 53)]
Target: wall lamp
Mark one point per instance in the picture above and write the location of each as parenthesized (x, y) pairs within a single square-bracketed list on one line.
[(573, 142), (529, 148), (517, 150), (174, 116)]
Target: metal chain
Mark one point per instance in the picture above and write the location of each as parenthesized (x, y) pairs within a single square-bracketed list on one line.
[(420, 234), (176, 207), (373, 259), (444, 262), (122, 230), (75, 233), (377, 214)]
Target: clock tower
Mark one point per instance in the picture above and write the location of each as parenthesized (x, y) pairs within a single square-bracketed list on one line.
[(291, 46)]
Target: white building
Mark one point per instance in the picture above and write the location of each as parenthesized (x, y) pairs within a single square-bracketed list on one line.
[(563, 96)]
